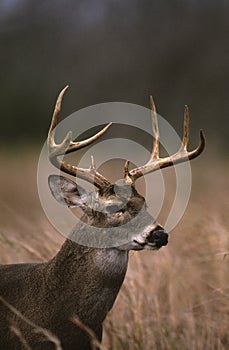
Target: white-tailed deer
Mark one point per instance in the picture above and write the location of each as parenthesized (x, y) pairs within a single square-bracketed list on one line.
[(82, 281)]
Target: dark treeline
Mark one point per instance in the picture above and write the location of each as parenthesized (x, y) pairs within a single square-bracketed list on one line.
[(114, 51)]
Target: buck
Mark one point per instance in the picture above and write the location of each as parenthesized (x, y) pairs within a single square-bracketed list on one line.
[(82, 281)]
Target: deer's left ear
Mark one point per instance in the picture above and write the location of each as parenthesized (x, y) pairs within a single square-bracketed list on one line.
[(67, 192)]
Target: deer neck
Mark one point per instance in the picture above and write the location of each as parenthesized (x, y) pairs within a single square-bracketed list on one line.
[(77, 266), (86, 280)]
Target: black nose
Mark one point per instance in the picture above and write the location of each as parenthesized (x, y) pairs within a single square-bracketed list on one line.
[(158, 237)]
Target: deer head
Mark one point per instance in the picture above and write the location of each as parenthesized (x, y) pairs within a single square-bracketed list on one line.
[(114, 205)]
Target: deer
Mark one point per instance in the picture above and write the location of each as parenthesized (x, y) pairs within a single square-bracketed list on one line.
[(83, 281)]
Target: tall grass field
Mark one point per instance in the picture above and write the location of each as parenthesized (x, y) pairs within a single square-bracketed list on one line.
[(175, 298)]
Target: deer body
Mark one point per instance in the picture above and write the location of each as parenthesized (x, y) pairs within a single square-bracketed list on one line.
[(78, 282), (82, 281)]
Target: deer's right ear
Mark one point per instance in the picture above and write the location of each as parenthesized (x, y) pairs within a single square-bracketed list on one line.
[(66, 192)]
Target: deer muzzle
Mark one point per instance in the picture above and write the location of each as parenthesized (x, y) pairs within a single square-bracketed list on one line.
[(158, 238), (154, 239)]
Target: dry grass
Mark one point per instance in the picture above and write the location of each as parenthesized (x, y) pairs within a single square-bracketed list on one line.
[(45, 332), (177, 298)]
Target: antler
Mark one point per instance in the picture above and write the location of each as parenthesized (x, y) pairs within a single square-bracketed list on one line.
[(68, 146), (155, 161)]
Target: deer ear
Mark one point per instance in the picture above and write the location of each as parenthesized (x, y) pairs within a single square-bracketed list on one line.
[(66, 192)]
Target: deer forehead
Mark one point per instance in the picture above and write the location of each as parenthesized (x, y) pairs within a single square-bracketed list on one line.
[(120, 194), (114, 204)]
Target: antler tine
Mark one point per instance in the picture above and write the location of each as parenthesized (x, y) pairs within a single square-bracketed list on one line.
[(155, 151), (185, 140), (80, 144), (92, 166), (182, 155), (126, 168), (127, 178), (68, 146), (57, 108), (54, 121)]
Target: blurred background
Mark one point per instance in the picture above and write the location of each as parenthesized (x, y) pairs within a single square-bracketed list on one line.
[(113, 50)]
